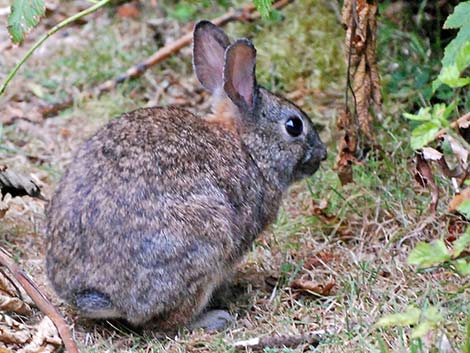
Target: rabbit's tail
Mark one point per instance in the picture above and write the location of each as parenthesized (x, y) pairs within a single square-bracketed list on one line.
[(96, 305)]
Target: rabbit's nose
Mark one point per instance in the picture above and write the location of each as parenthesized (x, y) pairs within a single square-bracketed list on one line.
[(322, 153)]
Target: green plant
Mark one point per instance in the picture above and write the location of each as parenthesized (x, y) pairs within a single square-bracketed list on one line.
[(426, 255), (432, 119), (24, 17), (422, 320)]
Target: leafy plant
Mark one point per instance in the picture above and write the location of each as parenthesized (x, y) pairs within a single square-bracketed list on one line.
[(456, 60), (422, 320), (425, 255), (23, 20), (24, 16), (264, 7)]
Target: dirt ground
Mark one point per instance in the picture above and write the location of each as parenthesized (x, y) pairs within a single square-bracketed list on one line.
[(349, 244)]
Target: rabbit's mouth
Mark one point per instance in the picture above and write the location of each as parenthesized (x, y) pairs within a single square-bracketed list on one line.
[(307, 169)]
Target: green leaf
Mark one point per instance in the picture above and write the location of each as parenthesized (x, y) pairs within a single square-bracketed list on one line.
[(450, 75), (459, 19), (426, 255), (424, 134), (422, 329), (463, 57), (462, 267), (409, 317), (431, 317), (464, 208), (424, 114), (24, 16), (433, 314), (464, 241), (263, 7)]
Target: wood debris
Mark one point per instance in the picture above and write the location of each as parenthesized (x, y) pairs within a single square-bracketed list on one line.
[(279, 341), (360, 20)]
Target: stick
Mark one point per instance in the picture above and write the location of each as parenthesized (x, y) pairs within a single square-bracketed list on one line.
[(246, 14), (41, 301), (279, 341)]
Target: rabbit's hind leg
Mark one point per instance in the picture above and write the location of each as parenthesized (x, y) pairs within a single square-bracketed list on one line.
[(96, 305), (212, 320)]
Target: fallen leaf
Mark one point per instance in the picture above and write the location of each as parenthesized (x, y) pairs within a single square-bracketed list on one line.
[(458, 199), (347, 148), (45, 340), (320, 259), (463, 124), (312, 287), (3, 209), (458, 150), (431, 154), (128, 10), (11, 331), (424, 176), (14, 305)]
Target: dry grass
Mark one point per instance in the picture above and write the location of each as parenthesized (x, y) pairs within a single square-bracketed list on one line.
[(359, 240)]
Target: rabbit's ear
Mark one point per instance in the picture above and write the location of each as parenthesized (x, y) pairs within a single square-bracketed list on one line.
[(209, 44), (239, 73)]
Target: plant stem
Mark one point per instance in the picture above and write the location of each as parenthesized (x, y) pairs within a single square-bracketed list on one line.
[(49, 33)]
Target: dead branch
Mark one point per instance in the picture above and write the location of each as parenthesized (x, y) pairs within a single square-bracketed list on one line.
[(246, 14), (17, 185), (360, 20), (40, 300), (279, 341)]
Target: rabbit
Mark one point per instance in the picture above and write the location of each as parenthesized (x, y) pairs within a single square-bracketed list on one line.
[(158, 207)]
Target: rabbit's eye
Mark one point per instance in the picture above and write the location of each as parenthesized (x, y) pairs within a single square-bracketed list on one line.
[(294, 126)]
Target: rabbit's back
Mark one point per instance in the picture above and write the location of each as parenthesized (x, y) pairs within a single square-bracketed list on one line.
[(153, 205)]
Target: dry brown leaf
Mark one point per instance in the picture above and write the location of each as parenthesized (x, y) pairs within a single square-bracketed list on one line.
[(14, 305), (3, 209), (128, 10), (312, 287), (45, 340), (6, 287), (12, 331), (347, 148), (431, 154), (458, 150), (459, 199), (425, 177), (323, 257)]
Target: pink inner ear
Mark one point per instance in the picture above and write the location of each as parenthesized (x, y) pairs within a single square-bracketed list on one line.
[(243, 77), (241, 70), (208, 54), (213, 55)]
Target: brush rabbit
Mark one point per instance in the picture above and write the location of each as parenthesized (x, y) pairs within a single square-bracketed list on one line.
[(157, 208)]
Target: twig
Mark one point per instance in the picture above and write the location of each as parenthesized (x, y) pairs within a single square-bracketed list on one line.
[(41, 301), (247, 13), (288, 341), (49, 33)]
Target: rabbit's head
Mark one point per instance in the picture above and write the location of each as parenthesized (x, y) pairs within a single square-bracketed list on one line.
[(277, 134)]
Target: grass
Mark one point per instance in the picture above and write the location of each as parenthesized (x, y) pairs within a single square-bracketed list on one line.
[(362, 232)]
